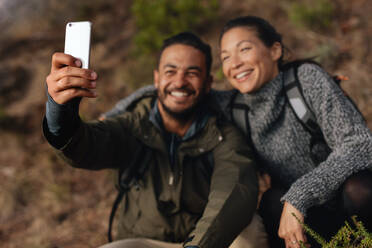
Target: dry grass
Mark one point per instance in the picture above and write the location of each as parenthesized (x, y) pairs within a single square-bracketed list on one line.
[(45, 203)]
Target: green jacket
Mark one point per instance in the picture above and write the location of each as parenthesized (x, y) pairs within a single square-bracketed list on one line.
[(206, 204)]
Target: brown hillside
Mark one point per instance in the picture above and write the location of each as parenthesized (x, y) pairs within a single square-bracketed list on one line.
[(44, 202)]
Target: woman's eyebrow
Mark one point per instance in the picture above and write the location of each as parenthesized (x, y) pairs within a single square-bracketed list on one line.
[(237, 45), (243, 41)]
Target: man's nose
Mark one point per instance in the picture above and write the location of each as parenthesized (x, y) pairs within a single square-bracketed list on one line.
[(180, 80)]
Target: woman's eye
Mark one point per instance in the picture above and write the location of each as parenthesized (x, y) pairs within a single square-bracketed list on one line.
[(244, 49), (223, 59)]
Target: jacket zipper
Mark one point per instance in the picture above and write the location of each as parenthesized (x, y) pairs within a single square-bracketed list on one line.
[(171, 179)]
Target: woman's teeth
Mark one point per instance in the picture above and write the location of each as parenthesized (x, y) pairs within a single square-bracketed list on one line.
[(243, 74)]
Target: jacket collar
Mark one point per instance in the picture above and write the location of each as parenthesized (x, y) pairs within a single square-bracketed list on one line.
[(202, 136), (198, 124)]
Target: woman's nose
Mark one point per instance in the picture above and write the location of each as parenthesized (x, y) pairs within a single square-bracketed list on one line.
[(236, 62)]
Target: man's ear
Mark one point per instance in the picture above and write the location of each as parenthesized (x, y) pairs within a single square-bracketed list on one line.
[(276, 51), (208, 82), (156, 78)]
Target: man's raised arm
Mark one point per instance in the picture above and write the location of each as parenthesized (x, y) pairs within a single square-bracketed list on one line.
[(67, 83)]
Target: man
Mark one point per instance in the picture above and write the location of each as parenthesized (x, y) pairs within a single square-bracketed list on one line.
[(199, 185)]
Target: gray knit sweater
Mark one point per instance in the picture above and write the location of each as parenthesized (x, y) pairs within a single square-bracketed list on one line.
[(283, 145)]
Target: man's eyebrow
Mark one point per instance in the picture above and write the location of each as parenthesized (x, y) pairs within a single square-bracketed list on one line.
[(169, 65), (194, 68)]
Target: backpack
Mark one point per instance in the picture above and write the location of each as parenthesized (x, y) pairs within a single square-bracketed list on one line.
[(296, 100)]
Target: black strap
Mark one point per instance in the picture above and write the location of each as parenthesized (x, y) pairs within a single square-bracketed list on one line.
[(301, 109), (117, 201), (128, 177), (239, 113), (298, 103)]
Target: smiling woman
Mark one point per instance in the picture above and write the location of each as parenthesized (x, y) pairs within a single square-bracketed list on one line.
[(313, 178)]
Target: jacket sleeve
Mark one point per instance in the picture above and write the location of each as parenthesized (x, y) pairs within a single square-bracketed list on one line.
[(345, 132), (233, 194), (100, 144)]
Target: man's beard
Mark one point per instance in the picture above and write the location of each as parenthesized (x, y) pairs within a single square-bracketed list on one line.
[(185, 114)]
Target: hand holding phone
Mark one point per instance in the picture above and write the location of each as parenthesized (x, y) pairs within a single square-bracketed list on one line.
[(66, 80), (77, 41)]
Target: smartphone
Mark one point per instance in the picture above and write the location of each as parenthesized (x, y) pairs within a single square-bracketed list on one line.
[(77, 41)]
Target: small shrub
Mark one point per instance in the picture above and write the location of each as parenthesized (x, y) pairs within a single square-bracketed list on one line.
[(157, 20), (346, 237), (315, 14)]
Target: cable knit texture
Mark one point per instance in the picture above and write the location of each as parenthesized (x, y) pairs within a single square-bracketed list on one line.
[(283, 145)]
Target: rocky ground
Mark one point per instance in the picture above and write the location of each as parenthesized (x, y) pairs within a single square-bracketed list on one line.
[(45, 203)]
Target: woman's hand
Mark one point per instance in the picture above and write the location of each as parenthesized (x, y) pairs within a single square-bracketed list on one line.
[(290, 229)]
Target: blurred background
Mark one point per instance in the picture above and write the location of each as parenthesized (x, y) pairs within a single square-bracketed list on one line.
[(45, 203)]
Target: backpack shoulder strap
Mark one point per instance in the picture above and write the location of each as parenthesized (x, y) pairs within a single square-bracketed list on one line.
[(127, 178), (239, 113), (296, 99)]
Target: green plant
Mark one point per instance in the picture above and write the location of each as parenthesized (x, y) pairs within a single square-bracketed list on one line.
[(219, 74), (346, 237), (3, 115), (157, 20), (315, 14)]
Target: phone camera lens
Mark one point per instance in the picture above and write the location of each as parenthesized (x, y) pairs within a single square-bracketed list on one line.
[(69, 24)]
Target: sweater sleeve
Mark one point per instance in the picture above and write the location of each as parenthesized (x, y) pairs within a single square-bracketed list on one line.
[(60, 121), (345, 132), (233, 194)]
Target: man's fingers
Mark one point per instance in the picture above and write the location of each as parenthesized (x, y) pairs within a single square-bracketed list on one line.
[(60, 60), (72, 93), (69, 71), (74, 82)]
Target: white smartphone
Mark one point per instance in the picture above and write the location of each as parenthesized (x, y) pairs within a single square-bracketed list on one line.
[(77, 41)]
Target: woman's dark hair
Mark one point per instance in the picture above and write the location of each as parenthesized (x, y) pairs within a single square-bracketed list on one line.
[(267, 34)]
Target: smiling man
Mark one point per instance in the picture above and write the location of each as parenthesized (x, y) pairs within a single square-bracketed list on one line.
[(193, 184)]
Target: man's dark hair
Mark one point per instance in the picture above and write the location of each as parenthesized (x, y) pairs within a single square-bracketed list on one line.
[(189, 39)]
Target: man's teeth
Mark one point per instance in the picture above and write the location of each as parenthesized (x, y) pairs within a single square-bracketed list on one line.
[(179, 94), (243, 74)]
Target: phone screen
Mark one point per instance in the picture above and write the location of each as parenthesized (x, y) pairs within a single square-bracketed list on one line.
[(77, 41)]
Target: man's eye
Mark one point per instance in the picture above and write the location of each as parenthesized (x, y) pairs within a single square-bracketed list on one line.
[(192, 73), (169, 73)]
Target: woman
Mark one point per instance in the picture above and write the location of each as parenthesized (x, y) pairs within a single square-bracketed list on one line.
[(320, 184), (251, 54)]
